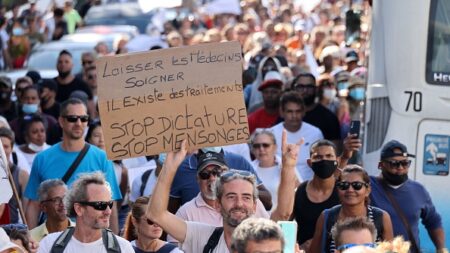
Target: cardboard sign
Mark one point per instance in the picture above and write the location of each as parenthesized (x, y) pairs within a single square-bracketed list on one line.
[(149, 102)]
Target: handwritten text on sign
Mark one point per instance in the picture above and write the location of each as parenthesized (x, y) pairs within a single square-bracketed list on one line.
[(149, 102)]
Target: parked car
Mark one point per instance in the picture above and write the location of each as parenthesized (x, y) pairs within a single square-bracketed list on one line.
[(131, 30)]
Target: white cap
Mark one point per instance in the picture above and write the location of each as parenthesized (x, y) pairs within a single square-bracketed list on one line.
[(5, 242)]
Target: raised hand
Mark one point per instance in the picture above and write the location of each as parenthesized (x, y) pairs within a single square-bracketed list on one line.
[(175, 158), (351, 144), (289, 151)]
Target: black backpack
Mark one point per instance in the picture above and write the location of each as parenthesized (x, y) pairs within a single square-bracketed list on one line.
[(109, 240)]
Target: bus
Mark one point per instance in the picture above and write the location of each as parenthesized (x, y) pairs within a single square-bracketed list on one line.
[(408, 94)]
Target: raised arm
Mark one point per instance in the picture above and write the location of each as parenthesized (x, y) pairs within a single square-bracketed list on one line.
[(157, 207), (351, 144), (288, 181)]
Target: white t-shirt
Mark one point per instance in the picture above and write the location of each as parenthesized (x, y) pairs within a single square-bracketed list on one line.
[(136, 186), (311, 134), (271, 177), (197, 235), (75, 246)]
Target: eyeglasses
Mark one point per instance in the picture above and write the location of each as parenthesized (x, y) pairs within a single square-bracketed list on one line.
[(351, 245), (343, 185), (74, 118), (396, 164), (55, 200), (98, 205), (259, 145), (204, 174)]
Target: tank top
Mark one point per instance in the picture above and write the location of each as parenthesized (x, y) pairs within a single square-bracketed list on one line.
[(306, 212)]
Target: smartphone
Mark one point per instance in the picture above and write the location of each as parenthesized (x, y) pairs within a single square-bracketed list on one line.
[(355, 126), (289, 229)]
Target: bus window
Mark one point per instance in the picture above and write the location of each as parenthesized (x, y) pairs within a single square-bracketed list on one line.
[(438, 53)]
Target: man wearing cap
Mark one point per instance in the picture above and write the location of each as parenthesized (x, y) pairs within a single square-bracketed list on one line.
[(351, 60), (405, 200), (268, 115), (204, 207)]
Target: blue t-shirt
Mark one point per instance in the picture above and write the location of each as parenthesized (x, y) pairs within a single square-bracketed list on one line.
[(415, 202), (185, 185), (54, 162)]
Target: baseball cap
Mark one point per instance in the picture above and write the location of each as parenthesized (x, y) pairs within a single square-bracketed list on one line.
[(210, 158), (5, 243), (391, 149), (351, 56), (272, 78)]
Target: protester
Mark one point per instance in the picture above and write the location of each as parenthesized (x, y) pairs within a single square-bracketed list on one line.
[(267, 164), (143, 233), (406, 201), (353, 189), (352, 232), (56, 161), (51, 194), (6, 245), (89, 202)]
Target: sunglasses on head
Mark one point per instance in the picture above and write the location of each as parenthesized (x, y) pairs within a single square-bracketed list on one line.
[(242, 173), (343, 185), (98, 205), (259, 145), (204, 174), (74, 118), (396, 164), (351, 245)]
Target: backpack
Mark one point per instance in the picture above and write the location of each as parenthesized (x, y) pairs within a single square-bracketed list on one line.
[(144, 179), (213, 240), (109, 240)]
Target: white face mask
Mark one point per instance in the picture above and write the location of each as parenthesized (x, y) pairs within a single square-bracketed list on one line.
[(329, 93), (36, 148)]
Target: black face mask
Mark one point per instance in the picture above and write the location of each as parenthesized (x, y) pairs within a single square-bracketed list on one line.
[(64, 74), (394, 179), (324, 169)]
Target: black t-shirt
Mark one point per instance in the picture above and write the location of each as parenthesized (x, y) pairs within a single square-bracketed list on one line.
[(64, 90), (53, 110), (306, 212), (325, 120)]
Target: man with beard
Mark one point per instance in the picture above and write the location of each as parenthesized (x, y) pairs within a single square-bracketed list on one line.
[(89, 201), (55, 161), (292, 110), (68, 82), (268, 115), (405, 200), (51, 193), (315, 113), (236, 195), (204, 207)]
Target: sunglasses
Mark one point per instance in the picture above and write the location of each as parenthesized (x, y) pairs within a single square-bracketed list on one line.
[(343, 185), (351, 245), (98, 205), (149, 222), (55, 200), (246, 175), (204, 175), (259, 145), (396, 164), (74, 118), (87, 62)]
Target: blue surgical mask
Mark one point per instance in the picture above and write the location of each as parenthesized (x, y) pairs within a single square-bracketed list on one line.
[(212, 149), (30, 108), (342, 85), (17, 31), (162, 158), (357, 93)]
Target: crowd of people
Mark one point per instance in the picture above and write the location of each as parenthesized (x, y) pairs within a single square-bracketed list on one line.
[(304, 80)]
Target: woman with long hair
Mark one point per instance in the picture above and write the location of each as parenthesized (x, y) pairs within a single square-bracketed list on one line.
[(143, 233), (353, 186)]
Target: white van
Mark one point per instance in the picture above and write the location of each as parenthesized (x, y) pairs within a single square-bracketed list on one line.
[(408, 94)]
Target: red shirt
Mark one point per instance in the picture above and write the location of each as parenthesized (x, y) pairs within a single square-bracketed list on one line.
[(261, 119)]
